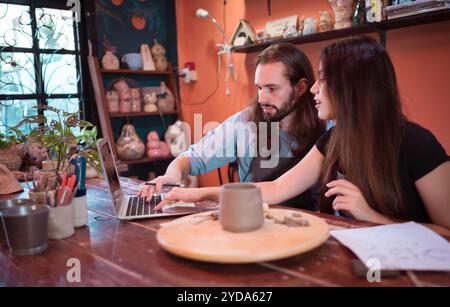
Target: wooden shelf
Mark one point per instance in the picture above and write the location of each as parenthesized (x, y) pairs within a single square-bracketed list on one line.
[(377, 27), (106, 118), (416, 20), (134, 72), (129, 114), (316, 37), (145, 160)]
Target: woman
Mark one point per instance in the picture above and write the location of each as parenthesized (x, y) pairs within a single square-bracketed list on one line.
[(373, 164)]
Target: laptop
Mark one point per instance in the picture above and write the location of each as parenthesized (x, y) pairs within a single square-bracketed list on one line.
[(134, 207)]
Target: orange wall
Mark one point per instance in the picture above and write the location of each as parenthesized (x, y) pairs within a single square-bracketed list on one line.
[(421, 56)]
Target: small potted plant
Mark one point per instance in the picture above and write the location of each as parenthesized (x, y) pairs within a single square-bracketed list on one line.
[(57, 135), (88, 142)]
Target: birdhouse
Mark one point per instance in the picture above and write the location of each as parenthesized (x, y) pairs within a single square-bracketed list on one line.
[(243, 34)]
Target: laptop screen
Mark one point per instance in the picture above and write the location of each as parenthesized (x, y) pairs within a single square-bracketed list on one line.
[(109, 167)]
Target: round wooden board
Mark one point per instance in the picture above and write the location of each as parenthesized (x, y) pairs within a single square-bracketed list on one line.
[(207, 241)]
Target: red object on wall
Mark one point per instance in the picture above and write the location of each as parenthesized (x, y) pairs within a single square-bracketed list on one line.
[(190, 65), (117, 2), (138, 21)]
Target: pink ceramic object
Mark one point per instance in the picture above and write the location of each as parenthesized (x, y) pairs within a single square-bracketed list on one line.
[(165, 150), (153, 144), (121, 85), (152, 135)]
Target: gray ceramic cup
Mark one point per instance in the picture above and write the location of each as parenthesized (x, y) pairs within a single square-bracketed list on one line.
[(241, 207), (25, 228), (9, 203)]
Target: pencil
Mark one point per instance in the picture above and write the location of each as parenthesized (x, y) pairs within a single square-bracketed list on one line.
[(166, 185)]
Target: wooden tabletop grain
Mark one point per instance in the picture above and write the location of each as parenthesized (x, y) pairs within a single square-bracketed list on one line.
[(113, 253)]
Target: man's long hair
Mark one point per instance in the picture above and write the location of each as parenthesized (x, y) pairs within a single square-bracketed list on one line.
[(365, 143), (306, 126)]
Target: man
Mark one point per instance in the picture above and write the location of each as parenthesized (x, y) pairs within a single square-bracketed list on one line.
[(284, 104)]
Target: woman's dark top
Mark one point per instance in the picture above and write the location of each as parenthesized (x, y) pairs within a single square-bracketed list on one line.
[(420, 153)]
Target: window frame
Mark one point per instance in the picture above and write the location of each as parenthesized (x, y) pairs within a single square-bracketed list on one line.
[(40, 96)]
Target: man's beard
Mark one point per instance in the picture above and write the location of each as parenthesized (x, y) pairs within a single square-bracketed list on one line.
[(286, 108)]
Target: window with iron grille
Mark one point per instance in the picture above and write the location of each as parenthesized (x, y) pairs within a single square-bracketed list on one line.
[(40, 61)]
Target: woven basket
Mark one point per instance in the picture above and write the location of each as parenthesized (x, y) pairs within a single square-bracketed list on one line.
[(11, 158)]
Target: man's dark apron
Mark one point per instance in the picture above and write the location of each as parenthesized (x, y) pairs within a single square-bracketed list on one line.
[(258, 174)]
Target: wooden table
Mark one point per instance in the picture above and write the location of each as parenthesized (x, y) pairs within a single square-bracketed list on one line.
[(113, 253)]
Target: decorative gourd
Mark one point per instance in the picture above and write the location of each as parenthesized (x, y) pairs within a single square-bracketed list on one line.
[(110, 61), (158, 49), (159, 56), (161, 63), (166, 100), (129, 145)]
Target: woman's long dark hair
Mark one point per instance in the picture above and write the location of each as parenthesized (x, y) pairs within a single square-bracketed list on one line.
[(306, 125), (365, 143)]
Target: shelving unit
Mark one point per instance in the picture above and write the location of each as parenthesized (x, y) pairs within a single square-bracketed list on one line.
[(377, 27), (144, 160), (134, 72), (134, 114), (106, 117)]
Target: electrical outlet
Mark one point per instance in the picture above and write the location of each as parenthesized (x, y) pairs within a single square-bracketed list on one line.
[(186, 75)]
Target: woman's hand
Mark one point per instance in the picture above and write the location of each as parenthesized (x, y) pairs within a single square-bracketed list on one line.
[(350, 199), (187, 195)]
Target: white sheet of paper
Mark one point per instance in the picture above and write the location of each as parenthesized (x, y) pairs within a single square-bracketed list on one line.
[(179, 204), (405, 246)]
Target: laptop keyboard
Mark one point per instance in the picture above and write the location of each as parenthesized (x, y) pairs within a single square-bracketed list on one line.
[(138, 206)]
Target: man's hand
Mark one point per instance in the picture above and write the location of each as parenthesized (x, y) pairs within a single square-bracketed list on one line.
[(147, 191)]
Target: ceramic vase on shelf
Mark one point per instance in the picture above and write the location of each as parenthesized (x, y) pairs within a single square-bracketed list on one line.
[(150, 102), (125, 105), (159, 56), (129, 145), (135, 105), (110, 61), (112, 99), (166, 101), (309, 26), (147, 59), (124, 93), (343, 10), (325, 23), (135, 100), (132, 60), (155, 147)]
